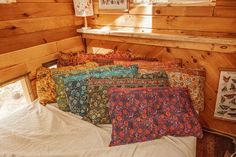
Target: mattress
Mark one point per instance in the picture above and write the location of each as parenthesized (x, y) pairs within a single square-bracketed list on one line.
[(35, 130)]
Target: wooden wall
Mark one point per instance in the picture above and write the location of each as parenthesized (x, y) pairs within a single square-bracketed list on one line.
[(32, 32), (214, 21)]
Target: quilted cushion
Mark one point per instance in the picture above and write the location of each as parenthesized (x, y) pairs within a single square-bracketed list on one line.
[(142, 114), (76, 86), (193, 79), (53, 85), (98, 97)]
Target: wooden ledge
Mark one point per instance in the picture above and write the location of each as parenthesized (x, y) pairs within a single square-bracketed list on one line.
[(223, 45)]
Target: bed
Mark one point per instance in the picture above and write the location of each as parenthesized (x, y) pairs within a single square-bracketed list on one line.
[(36, 130)]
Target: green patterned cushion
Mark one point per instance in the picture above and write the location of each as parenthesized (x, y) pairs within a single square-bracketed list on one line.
[(59, 73), (98, 88), (76, 85)]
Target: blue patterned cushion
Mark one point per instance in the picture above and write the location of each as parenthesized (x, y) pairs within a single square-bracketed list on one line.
[(76, 87)]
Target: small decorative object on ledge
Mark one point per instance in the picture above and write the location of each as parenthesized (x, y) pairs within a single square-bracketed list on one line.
[(226, 96), (113, 4), (84, 8)]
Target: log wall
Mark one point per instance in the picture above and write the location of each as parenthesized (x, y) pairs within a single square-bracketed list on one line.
[(212, 21), (32, 32)]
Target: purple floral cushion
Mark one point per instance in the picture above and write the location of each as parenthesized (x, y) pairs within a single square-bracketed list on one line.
[(148, 113)]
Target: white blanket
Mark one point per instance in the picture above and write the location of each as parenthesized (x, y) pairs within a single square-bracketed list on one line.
[(35, 130)]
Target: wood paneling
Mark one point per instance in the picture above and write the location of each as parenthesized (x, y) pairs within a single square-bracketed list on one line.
[(214, 21), (32, 32)]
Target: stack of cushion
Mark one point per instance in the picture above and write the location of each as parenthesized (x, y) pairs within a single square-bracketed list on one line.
[(142, 98)]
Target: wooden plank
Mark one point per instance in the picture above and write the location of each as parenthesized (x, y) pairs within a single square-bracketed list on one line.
[(16, 27), (17, 42), (70, 43), (172, 10), (210, 24), (43, 1), (12, 72), (166, 43), (26, 55), (225, 11), (227, 3), (34, 10)]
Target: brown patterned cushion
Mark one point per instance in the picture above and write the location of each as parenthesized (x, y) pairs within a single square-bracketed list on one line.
[(69, 59), (45, 85)]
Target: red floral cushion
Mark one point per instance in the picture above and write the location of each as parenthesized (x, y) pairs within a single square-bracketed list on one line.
[(143, 114)]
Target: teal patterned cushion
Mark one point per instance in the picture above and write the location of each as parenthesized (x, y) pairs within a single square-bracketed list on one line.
[(76, 87), (98, 92)]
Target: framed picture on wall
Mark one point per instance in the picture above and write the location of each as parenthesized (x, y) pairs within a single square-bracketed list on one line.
[(226, 97), (113, 4)]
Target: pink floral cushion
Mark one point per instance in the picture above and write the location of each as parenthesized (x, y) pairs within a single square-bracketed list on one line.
[(143, 114)]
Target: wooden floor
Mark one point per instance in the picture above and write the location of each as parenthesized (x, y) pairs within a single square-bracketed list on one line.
[(212, 145)]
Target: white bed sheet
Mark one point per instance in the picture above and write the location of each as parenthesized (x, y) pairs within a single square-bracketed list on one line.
[(35, 130)]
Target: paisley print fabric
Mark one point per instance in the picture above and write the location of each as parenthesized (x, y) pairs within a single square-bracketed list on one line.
[(98, 93), (109, 58), (150, 65), (69, 59), (45, 86), (58, 83), (193, 79), (143, 114), (76, 86)]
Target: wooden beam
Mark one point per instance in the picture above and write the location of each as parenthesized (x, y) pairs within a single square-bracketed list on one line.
[(12, 72)]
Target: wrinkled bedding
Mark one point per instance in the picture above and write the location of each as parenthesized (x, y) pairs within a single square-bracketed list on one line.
[(34, 130)]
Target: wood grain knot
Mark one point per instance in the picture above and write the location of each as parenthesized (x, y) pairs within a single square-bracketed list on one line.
[(224, 47)]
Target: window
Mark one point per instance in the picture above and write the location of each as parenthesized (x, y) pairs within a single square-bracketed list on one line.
[(12, 95)]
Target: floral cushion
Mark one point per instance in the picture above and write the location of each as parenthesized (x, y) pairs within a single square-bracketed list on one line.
[(193, 79), (143, 114), (57, 87), (104, 59), (76, 85), (45, 86), (143, 64), (98, 112), (69, 59)]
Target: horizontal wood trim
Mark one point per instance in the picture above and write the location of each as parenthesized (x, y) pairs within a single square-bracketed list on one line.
[(12, 72), (16, 27), (210, 24), (205, 44), (17, 11), (37, 38)]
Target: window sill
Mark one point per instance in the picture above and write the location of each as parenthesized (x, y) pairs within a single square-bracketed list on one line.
[(224, 45)]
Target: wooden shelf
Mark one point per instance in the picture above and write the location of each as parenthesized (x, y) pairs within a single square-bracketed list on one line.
[(223, 45)]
